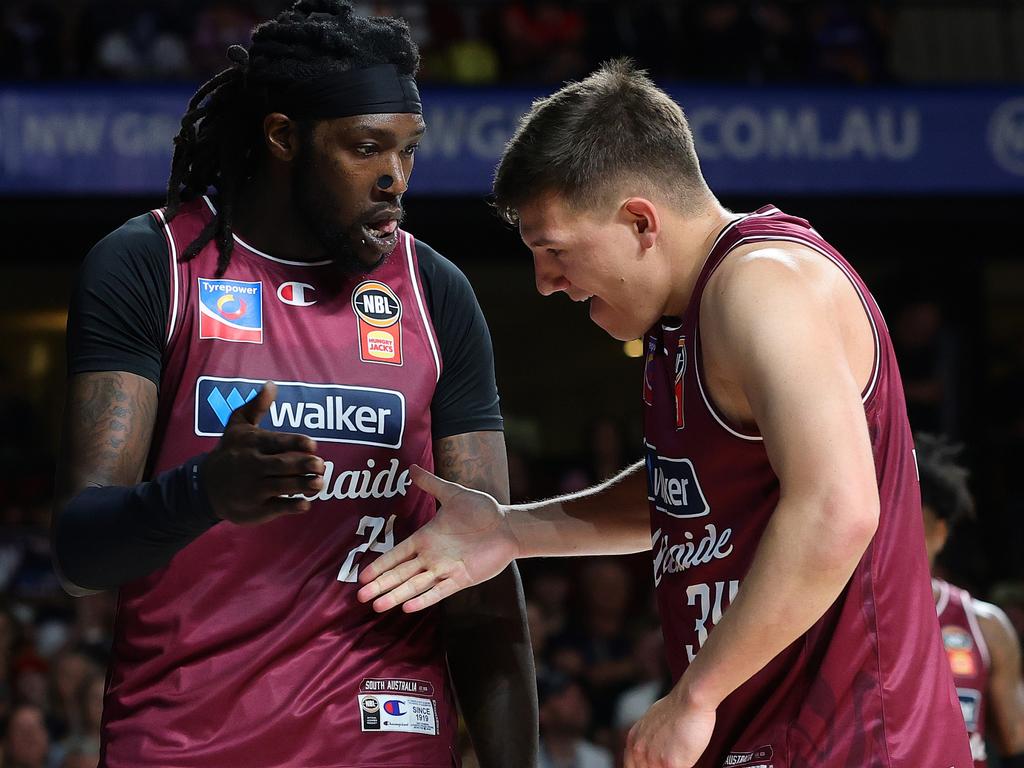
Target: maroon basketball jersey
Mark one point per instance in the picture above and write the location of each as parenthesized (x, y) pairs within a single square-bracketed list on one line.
[(968, 659), (249, 648), (868, 685)]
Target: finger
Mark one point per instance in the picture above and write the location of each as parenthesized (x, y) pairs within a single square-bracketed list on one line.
[(282, 506), (442, 490), (434, 595), (390, 580), (271, 487), (406, 591), (283, 442), (406, 550), (292, 463), (254, 410)]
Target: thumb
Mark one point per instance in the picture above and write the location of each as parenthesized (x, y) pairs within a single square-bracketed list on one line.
[(442, 490), (254, 410)]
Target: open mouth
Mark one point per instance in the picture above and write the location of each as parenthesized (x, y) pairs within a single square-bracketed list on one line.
[(382, 233)]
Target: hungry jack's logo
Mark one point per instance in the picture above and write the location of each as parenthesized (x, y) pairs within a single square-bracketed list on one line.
[(379, 317)]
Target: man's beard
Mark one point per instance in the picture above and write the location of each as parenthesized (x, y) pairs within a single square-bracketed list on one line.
[(312, 203)]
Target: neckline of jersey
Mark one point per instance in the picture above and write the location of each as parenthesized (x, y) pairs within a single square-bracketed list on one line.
[(261, 254)]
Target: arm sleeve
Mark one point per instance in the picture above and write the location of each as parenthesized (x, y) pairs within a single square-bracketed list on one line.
[(466, 398), (118, 313)]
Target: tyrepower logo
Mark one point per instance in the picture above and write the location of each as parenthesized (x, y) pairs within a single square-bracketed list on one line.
[(672, 486), (329, 412)]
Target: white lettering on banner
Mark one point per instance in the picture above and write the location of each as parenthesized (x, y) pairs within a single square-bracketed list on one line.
[(363, 483), (1006, 135), (745, 133), (134, 134), (676, 558), (481, 131), (73, 134)]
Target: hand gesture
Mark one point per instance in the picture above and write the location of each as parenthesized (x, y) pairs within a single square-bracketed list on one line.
[(253, 475), (671, 735), (468, 542)]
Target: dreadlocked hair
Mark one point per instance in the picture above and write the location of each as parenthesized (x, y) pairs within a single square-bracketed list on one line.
[(221, 140), (944, 487)]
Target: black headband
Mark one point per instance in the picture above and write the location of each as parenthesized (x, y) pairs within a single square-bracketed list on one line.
[(374, 90)]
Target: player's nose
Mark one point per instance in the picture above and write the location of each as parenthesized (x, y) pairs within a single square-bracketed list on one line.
[(549, 279)]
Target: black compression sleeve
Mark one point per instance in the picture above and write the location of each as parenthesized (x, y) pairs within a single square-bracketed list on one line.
[(466, 398), (106, 537), (119, 309)]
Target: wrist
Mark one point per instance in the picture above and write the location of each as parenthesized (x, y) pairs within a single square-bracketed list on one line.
[(691, 695), (198, 494), (512, 517)]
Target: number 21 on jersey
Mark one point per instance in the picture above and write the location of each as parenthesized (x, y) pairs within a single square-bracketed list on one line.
[(710, 600), (380, 538)]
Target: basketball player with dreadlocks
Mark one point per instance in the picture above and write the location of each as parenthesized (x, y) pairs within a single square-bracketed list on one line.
[(980, 642), (234, 516)]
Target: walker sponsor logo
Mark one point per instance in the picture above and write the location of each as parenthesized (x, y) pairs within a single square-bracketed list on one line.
[(690, 552), (328, 412), (672, 486), (1006, 136), (231, 310)]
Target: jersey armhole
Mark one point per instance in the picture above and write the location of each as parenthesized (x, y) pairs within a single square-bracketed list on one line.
[(869, 389), (421, 305), (174, 282)]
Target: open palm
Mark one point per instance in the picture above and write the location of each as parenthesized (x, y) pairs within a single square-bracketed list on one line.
[(468, 542)]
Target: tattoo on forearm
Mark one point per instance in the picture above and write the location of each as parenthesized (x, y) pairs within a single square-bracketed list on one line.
[(109, 425), (476, 460)]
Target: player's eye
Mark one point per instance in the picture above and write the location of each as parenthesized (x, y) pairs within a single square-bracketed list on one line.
[(411, 149), (366, 150)]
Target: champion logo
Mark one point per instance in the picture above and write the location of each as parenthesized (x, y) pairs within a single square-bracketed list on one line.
[(296, 294)]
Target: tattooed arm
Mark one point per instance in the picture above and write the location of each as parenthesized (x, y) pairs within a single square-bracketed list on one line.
[(110, 529), (487, 639)]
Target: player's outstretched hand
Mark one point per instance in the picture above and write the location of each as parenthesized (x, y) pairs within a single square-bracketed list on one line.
[(673, 734), (469, 541), (252, 471)]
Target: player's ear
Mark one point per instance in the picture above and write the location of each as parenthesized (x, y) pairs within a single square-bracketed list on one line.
[(281, 136), (643, 217)]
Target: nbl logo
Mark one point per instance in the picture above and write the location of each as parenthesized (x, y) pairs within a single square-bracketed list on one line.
[(379, 320)]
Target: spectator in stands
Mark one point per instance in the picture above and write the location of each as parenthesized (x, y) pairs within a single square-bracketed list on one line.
[(597, 648), (543, 40), (26, 742), (654, 683), (564, 718)]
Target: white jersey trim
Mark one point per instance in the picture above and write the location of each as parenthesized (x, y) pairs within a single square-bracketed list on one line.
[(943, 601), (427, 326), (173, 251), (877, 365), (979, 638), (261, 254)]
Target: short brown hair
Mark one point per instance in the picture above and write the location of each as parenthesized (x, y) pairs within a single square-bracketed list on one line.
[(580, 142)]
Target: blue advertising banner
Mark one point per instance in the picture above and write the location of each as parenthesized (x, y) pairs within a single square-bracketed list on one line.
[(115, 140)]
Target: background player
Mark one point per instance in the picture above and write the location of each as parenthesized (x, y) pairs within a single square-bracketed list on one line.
[(779, 463), (239, 640), (981, 644)]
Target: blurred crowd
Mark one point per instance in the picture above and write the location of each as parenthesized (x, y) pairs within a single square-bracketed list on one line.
[(535, 41)]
